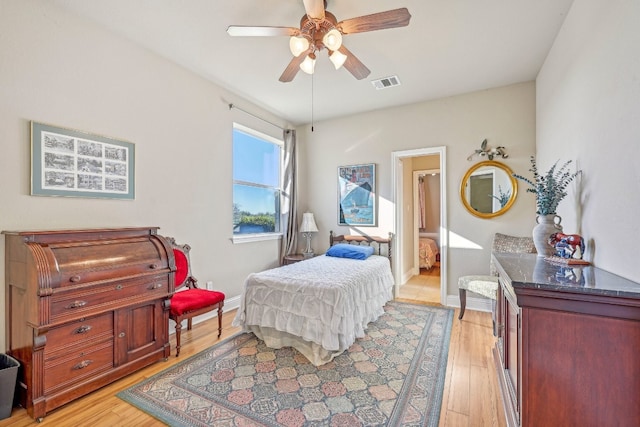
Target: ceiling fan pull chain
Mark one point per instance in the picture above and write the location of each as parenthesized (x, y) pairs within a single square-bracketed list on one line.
[(311, 102)]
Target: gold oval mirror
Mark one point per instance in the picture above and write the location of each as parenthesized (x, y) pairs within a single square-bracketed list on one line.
[(488, 189)]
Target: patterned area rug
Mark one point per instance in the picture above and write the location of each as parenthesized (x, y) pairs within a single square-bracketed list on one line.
[(393, 376)]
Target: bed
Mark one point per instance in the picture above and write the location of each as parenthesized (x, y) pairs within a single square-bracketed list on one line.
[(427, 252), (321, 305)]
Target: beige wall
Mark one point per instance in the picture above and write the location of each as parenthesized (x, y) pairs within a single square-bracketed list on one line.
[(58, 69), (588, 110), (425, 162), (406, 263), (505, 116)]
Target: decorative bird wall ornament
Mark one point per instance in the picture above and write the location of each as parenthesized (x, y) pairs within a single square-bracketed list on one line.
[(490, 153)]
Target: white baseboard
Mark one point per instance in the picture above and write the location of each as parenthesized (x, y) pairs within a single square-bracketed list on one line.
[(406, 275), (229, 304), (473, 303)]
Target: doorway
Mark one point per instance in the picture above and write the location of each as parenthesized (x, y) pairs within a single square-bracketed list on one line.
[(406, 235), (424, 285)]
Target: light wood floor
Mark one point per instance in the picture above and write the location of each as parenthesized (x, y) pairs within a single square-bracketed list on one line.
[(471, 396), (424, 287), (471, 391)]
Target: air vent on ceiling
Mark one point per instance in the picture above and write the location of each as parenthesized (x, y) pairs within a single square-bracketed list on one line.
[(386, 82)]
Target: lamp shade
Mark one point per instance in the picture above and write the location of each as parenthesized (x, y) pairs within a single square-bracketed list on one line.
[(298, 44), (332, 40), (308, 65), (308, 223), (338, 59)]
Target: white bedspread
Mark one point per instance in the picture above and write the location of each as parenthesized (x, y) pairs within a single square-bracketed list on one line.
[(326, 301)]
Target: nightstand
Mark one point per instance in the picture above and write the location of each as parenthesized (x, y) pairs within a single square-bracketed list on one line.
[(293, 258)]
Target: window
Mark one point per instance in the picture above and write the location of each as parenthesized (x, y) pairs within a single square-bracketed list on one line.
[(257, 160)]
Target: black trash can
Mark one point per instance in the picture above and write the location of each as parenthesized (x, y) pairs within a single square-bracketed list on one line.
[(8, 377)]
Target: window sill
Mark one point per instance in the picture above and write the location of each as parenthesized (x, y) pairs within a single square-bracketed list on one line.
[(249, 238)]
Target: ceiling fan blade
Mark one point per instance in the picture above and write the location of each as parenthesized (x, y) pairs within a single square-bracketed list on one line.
[(294, 66), (377, 21), (314, 8), (354, 65), (242, 30)]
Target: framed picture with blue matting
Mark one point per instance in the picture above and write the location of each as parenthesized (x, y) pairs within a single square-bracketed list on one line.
[(357, 195), (72, 163)]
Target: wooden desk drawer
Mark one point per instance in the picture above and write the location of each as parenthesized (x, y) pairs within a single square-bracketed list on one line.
[(77, 365), (76, 302), (78, 332), (134, 257)]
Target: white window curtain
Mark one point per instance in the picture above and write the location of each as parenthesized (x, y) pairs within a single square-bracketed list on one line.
[(288, 202)]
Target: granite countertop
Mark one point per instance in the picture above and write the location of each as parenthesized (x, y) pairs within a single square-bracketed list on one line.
[(532, 271)]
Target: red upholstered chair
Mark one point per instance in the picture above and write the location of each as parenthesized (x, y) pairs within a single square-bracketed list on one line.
[(189, 301)]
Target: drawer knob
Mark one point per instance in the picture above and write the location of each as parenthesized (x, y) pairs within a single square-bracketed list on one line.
[(83, 364), (77, 304), (119, 287), (156, 286), (121, 335), (154, 266), (74, 279), (83, 329)]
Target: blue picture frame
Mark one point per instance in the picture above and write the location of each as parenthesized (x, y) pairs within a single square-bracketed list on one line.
[(72, 163)]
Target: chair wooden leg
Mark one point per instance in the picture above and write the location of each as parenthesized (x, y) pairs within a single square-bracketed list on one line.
[(463, 302), (178, 330), (219, 321), (493, 317)]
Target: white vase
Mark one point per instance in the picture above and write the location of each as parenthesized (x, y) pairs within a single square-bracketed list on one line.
[(547, 225)]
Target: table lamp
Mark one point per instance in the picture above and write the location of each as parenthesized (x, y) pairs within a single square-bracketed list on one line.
[(307, 228)]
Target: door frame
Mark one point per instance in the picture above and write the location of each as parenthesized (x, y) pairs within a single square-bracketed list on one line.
[(397, 199)]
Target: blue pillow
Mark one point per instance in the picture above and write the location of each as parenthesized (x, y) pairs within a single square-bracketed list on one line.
[(344, 250)]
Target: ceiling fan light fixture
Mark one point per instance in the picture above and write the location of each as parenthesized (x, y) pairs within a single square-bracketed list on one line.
[(338, 59), (308, 65), (332, 39), (298, 44), (320, 29)]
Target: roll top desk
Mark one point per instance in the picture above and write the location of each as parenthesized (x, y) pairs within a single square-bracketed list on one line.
[(84, 308), (568, 344)]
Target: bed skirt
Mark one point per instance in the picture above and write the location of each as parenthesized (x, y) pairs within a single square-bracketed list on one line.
[(319, 306)]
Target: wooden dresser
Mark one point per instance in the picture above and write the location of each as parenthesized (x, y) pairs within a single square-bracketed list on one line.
[(568, 342), (84, 308)]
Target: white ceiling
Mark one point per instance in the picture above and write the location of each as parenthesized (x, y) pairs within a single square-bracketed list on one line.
[(450, 47)]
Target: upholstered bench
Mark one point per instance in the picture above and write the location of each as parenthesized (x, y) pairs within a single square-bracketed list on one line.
[(487, 286)]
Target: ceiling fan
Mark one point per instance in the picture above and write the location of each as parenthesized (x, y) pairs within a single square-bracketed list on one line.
[(319, 29)]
